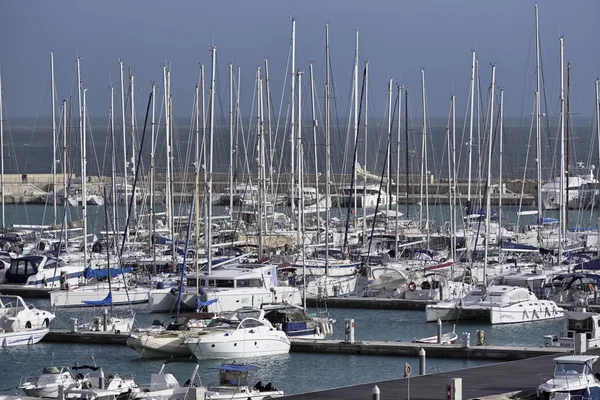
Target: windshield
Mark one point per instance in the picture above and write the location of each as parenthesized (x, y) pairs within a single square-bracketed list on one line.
[(564, 369)]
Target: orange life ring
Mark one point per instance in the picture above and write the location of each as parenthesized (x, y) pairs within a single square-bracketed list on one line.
[(412, 286), (407, 370), (591, 287)]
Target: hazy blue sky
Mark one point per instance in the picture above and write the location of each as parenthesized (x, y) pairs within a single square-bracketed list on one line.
[(397, 36)]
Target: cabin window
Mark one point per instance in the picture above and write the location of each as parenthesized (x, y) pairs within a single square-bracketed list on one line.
[(581, 326), (18, 267), (50, 264), (224, 283), (245, 283), (251, 323), (563, 369)]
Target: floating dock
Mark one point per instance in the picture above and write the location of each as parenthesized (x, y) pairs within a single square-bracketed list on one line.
[(521, 377), (369, 302)]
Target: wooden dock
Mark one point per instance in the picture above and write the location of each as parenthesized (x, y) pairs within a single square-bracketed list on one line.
[(522, 377), (369, 302)]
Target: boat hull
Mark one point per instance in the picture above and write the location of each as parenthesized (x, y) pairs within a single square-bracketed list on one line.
[(248, 346), (9, 339), (78, 297)]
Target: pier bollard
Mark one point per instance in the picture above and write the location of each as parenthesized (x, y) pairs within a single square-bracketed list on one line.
[(455, 389), (439, 331), (580, 344), (73, 324), (466, 339), (61, 392), (349, 330), (376, 392), (105, 320), (422, 361)]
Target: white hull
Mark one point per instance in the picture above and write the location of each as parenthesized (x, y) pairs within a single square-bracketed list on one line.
[(336, 268), (513, 314), (78, 297), (328, 286), (244, 345), (162, 345), (8, 339)]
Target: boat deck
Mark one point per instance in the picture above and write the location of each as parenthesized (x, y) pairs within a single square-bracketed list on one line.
[(522, 376)]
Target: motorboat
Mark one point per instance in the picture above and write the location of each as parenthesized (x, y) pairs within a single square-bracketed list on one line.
[(233, 384), (580, 320), (446, 338), (169, 340), (240, 334), (329, 286), (450, 310), (42, 272), (48, 382), (164, 385), (573, 378), (108, 323), (296, 322), (16, 315), (226, 288), (551, 191), (504, 304)]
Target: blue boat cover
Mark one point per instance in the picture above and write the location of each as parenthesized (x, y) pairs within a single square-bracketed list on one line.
[(200, 304), (235, 367), (107, 300), (102, 273), (593, 265)]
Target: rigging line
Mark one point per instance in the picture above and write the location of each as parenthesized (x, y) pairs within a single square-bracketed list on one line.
[(381, 182), (362, 94), (132, 199)]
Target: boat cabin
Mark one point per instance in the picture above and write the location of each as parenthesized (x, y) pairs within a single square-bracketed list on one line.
[(23, 267), (573, 378)]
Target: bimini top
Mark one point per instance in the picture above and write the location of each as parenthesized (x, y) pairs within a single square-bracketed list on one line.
[(576, 359), (235, 368)]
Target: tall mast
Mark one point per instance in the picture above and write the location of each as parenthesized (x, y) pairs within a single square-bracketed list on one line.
[(300, 161), (327, 151), (168, 150), (293, 120), (269, 133), (398, 138), (124, 133), (152, 177), (213, 51), (406, 153), (52, 91), (424, 173), (388, 153), (197, 211), (113, 166), (2, 155), (453, 189), (500, 184), (488, 203), (259, 125), (364, 209), (64, 164), (470, 149), (231, 153), (84, 179), (355, 91), (538, 138), (314, 126), (204, 151), (564, 197), (567, 144), (132, 98)]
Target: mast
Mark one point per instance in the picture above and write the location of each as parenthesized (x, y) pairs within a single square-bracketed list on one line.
[(293, 120), (203, 100), (211, 110), (327, 152), (269, 133), (568, 144), (314, 125), (406, 150), (300, 160), (398, 138), (65, 230), (52, 90), (132, 98), (424, 172), (364, 209), (196, 184), (538, 139), (124, 133), (501, 185), (563, 199), (231, 153), (453, 189), (152, 177), (113, 166), (388, 153), (84, 178), (355, 91), (2, 154), (168, 209), (488, 203), (259, 125), (470, 148)]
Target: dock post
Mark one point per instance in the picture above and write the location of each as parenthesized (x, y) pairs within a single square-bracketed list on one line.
[(105, 320), (422, 361), (376, 392), (349, 330), (61, 392), (439, 331), (466, 339), (73, 324), (580, 344), (456, 388)]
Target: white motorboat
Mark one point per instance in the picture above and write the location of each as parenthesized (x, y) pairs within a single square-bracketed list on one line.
[(446, 338), (573, 378), (108, 323), (330, 286), (296, 323), (503, 304), (47, 383), (233, 385), (169, 341), (450, 310), (240, 334), (99, 294), (577, 321), (16, 315), (551, 191), (42, 272), (227, 288), (164, 385)]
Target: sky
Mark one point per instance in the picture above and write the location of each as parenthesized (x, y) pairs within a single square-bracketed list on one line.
[(398, 37)]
